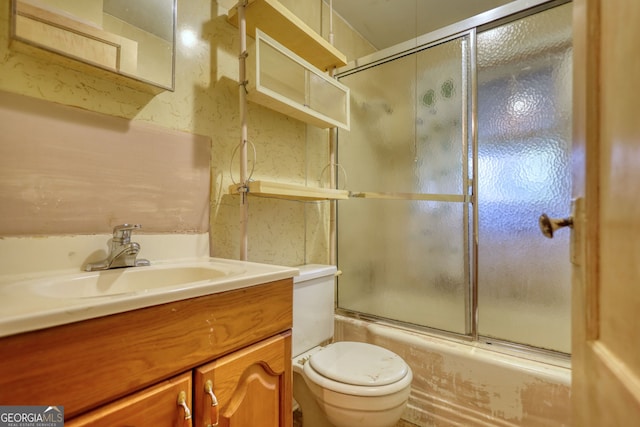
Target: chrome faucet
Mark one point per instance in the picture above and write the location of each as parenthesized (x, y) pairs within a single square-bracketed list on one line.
[(122, 251)]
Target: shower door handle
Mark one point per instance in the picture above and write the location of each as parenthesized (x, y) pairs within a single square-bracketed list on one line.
[(549, 225)]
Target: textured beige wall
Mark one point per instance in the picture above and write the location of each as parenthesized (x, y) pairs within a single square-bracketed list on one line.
[(205, 102)]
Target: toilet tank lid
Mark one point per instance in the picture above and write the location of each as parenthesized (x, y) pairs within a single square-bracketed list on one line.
[(313, 271)]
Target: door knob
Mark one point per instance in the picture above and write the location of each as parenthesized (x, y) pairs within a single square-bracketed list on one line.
[(549, 225)]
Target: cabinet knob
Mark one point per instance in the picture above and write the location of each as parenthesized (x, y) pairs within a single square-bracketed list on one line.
[(182, 401), (208, 388)]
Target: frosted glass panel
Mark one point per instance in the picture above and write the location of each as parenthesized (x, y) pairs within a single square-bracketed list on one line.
[(524, 129), (326, 98), (280, 74), (405, 259), (379, 150), (441, 102)]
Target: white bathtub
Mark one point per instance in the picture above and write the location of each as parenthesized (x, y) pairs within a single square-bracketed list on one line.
[(462, 384)]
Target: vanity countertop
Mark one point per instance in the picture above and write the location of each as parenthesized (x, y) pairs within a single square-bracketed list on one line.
[(43, 300)]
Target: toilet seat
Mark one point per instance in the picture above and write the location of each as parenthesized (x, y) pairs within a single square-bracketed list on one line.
[(358, 369), (359, 363)]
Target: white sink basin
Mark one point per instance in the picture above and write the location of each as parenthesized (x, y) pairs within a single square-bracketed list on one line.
[(55, 299), (124, 281)]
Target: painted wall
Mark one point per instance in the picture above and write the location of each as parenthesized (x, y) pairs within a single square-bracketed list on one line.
[(81, 172), (205, 102)]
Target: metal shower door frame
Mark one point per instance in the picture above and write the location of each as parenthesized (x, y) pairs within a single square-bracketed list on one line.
[(467, 28)]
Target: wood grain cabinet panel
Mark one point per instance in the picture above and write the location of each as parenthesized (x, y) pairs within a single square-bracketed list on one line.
[(154, 406), (252, 387)]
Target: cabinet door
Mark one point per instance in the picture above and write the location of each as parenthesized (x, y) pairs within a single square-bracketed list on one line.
[(154, 406), (252, 386)]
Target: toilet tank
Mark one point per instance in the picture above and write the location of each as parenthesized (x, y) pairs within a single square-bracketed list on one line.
[(313, 306)]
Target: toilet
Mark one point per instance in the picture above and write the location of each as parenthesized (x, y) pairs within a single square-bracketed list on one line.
[(343, 384)]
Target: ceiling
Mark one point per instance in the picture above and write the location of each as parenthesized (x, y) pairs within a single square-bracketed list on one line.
[(386, 23)]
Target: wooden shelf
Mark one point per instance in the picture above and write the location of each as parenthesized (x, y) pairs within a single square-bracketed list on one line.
[(291, 191), (278, 22)]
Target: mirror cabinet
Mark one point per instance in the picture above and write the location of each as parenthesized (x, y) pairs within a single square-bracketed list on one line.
[(130, 40)]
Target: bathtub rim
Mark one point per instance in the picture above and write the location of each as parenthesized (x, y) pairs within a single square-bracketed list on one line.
[(499, 347)]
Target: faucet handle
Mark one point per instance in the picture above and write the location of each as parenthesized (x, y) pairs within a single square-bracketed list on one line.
[(122, 232)]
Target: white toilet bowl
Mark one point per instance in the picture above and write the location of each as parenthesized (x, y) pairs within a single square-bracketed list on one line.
[(344, 384), (350, 384)]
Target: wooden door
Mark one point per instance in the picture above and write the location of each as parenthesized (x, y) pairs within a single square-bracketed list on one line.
[(154, 406), (252, 387), (606, 284)]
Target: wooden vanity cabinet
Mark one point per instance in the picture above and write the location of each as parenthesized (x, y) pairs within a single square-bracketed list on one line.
[(249, 387), (128, 369)]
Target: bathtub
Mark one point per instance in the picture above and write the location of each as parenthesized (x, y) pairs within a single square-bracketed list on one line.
[(469, 384)]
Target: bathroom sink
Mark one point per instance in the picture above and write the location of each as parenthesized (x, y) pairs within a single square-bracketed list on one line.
[(125, 281), (47, 300)]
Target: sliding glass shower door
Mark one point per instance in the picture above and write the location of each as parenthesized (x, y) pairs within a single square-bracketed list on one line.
[(524, 149), (402, 240), (455, 150)]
